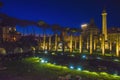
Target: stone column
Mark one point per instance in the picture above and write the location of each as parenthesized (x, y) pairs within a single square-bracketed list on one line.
[(75, 44), (103, 45), (80, 43), (117, 46), (44, 41), (110, 45), (71, 42), (56, 40), (49, 42), (87, 43), (91, 43), (104, 24), (95, 42)]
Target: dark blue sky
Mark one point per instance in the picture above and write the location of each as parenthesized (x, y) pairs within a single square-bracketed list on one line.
[(71, 13)]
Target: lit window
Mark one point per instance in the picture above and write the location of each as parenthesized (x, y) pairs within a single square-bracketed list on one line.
[(9, 29)]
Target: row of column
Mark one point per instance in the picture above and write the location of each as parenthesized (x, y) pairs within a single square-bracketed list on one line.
[(91, 44)]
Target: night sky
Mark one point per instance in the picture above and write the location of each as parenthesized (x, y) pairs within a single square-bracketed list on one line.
[(70, 13)]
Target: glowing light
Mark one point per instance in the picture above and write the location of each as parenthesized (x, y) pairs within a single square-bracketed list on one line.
[(54, 63), (33, 49), (71, 67), (79, 68), (115, 74), (106, 45), (46, 61), (60, 45), (84, 26), (116, 60), (84, 56), (14, 38), (53, 53), (46, 52), (42, 61), (73, 55), (99, 58)]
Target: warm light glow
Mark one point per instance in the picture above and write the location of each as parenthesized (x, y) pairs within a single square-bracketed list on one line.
[(80, 43), (71, 43), (117, 46), (56, 41), (106, 45), (84, 26), (14, 38), (104, 24), (49, 42), (91, 43), (103, 45), (44, 41)]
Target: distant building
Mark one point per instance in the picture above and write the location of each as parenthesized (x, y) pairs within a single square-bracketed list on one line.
[(9, 33), (90, 28)]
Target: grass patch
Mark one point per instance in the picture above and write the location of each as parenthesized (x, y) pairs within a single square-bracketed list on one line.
[(33, 69)]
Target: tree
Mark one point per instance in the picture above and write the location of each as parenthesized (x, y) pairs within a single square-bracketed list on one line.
[(56, 28), (44, 26)]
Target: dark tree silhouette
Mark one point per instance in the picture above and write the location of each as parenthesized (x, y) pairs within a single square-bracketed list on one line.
[(56, 28), (44, 26)]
